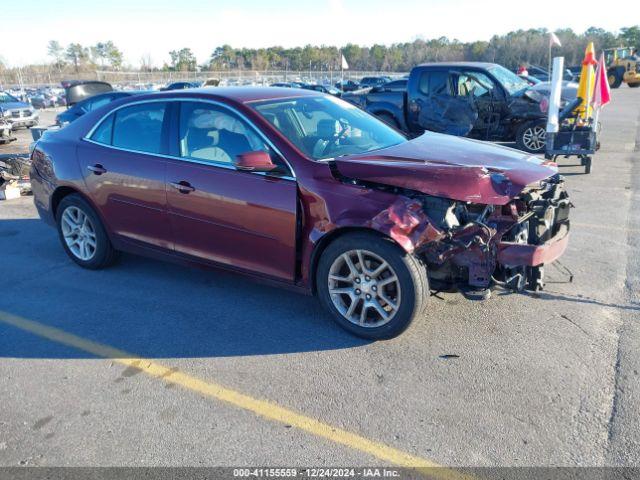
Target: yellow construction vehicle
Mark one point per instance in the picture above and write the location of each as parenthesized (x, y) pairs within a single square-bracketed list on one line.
[(623, 65)]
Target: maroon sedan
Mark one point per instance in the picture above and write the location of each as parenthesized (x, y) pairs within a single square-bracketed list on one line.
[(305, 190)]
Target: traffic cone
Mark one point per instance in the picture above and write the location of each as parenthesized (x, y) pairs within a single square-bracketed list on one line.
[(587, 82)]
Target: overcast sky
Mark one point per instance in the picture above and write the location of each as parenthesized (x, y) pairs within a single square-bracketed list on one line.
[(154, 27)]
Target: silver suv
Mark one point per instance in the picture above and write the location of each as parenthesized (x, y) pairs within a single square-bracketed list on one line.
[(17, 113)]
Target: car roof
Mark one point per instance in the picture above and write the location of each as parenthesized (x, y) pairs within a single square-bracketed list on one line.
[(484, 65), (239, 94)]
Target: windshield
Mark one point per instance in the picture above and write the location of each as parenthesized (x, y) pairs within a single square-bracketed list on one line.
[(326, 127), (6, 98), (509, 80)]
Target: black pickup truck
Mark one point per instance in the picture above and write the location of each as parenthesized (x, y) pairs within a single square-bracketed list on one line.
[(479, 100)]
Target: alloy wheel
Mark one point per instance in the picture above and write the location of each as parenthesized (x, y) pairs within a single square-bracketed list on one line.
[(364, 288), (534, 138), (79, 233)]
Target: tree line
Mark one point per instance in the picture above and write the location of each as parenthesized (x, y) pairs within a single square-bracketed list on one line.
[(511, 50), (80, 57)]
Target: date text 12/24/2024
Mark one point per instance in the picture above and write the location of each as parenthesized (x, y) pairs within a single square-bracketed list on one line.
[(316, 472)]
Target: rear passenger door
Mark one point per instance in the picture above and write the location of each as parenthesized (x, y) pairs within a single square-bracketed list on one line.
[(124, 171), (434, 105)]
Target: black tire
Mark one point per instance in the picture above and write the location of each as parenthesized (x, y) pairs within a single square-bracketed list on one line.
[(388, 119), (105, 254), (526, 143), (634, 85), (614, 76), (411, 274)]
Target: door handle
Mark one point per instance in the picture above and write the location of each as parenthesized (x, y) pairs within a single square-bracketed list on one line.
[(182, 186), (97, 169)]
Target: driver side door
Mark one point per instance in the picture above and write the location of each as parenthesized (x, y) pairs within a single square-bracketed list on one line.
[(435, 105)]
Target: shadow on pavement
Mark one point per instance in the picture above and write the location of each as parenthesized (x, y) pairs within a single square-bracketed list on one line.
[(550, 295), (149, 308)]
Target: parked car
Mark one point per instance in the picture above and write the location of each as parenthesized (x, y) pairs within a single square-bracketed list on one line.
[(16, 113), (290, 84), (364, 96), (529, 79), (569, 89), (79, 90), (542, 74), (5, 132), (347, 85), (304, 190), (480, 100), (576, 71), (374, 81), (46, 98), (90, 104), (568, 93), (324, 89), (181, 86)]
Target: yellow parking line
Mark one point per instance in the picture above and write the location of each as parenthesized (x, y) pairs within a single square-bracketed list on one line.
[(262, 408)]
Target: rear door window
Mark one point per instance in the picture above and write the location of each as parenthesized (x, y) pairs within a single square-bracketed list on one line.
[(435, 83), (439, 83), (139, 127)]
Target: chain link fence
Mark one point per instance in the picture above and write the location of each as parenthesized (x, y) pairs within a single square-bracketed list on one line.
[(21, 79)]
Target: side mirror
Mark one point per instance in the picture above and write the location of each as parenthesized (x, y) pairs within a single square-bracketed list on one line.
[(258, 161)]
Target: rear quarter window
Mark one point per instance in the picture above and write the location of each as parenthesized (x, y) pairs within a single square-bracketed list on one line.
[(104, 133)]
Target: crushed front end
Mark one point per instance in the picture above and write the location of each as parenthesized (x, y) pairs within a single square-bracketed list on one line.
[(471, 247)]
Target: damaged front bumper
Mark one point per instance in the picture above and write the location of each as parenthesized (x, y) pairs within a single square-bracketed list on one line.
[(471, 248), (511, 254)]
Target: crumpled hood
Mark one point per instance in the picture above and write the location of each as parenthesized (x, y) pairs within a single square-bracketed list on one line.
[(450, 167)]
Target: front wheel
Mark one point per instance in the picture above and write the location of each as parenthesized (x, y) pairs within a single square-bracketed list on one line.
[(531, 137), (373, 288)]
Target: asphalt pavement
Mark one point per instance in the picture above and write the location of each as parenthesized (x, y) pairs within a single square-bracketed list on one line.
[(148, 363)]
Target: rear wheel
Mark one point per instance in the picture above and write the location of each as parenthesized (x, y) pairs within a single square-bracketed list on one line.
[(531, 137), (373, 288), (82, 234)]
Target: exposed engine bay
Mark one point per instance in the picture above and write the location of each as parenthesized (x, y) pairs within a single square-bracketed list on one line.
[(470, 247), (473, 251)]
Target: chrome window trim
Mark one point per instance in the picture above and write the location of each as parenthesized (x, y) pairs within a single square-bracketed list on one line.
[(87, 137), (223, 166)]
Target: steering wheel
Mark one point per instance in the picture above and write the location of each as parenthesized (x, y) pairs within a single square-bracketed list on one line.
[(345, 129)]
